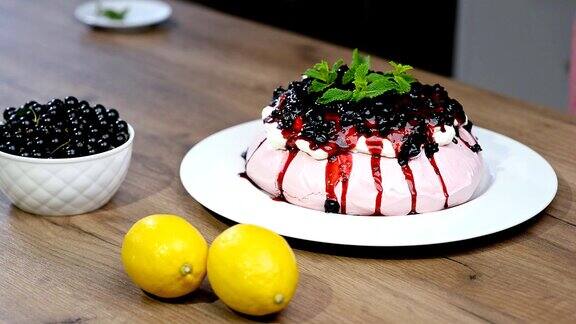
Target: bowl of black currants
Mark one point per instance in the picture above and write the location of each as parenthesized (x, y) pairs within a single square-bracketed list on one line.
[(64, 157)]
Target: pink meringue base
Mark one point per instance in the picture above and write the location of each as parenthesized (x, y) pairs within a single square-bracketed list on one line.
[(304, 181)]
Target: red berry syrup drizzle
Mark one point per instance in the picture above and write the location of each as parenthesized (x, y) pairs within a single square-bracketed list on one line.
[(338, 170), (437, 171), (468, 127), (247, 159), (280, 179), (397, 139), (375, 147), (339, 164), (291, 136), (411, 186)]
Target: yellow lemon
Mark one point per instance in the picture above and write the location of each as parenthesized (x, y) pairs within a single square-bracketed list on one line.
[(252, 270), (165, 255)]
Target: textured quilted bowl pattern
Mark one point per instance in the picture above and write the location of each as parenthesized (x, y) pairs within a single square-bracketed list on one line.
[(60, 187)]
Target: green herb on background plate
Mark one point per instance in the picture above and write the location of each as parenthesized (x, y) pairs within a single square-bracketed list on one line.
[(110, 13)]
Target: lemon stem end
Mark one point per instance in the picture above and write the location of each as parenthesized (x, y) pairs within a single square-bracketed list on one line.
[(278, 299), (186, 269)]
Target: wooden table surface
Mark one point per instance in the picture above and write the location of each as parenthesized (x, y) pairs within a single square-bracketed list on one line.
[(205, 71)]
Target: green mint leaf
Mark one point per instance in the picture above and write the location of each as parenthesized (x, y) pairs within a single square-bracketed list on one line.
[(360, 82), (360, 85), (337, 65), (375, 77), (361, 71), (314, 74), (408, 78), (379, 87), (322, 67), (317, 86), (402, 86), (348, 76), (399, 68), (367, 60), (334, 71), (389, 75), (334, 94), (356, 59), (320, 71), (358, 95)]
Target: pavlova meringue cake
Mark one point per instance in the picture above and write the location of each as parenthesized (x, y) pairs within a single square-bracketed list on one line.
[(346, 139)]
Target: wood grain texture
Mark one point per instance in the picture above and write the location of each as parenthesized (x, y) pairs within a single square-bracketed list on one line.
[(202, 72)]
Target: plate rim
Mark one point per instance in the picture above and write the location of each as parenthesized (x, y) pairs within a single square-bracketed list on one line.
[(518, 220)]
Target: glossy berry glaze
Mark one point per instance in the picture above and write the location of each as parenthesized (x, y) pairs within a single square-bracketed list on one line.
[(406, 120)]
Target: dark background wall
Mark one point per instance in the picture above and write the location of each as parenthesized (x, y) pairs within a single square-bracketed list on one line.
[(420, 33)]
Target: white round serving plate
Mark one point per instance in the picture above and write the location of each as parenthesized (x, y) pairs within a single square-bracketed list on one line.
[(141, 13), (518, 185)]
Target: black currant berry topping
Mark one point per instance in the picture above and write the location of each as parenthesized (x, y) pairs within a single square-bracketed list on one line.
[(409, 118), (331, 206)]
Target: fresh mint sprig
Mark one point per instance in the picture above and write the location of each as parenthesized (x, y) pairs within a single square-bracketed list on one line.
[(366, 84), (357, 60), (363, 87), (400, 76), (323, 75)]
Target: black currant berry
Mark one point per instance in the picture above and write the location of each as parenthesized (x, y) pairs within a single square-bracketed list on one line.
[(8, 112), (121, 126), (112, 115), (102, 146), (99, 110), (120, 139), (331, 206), (71, 102)]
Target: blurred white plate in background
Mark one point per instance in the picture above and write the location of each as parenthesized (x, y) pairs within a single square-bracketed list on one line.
[(141, 13)]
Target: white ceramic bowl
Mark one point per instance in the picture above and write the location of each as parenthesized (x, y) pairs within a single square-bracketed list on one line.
[(60, 187)]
